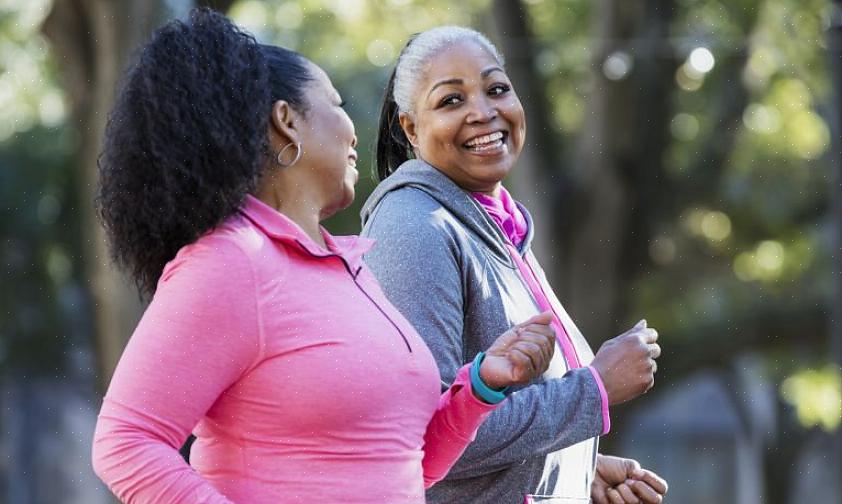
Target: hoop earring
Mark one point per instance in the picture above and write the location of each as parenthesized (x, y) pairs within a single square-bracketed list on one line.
[(294, 160)]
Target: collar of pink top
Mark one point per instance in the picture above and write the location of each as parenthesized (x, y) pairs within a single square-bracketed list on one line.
[(281, 228), (506, 214)]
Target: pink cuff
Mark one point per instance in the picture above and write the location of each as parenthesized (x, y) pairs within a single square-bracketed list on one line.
[(606, 419), (463, 377)]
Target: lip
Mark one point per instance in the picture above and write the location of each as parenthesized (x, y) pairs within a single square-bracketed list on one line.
[(491, 152), (485, 133), (352, 164)]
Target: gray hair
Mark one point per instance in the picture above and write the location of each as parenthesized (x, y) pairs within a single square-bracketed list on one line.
[(418, 52)]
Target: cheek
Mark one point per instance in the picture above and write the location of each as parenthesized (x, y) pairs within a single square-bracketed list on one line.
[(441, 134), (517, 118)]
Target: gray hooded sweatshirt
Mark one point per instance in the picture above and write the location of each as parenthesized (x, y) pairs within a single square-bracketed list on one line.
[(443, 263)]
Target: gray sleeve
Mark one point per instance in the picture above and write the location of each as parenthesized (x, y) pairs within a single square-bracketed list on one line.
[(417, 263)]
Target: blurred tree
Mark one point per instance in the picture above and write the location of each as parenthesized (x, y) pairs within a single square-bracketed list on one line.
[(834, 38), (692, 190), (677, 165), (93, 41)]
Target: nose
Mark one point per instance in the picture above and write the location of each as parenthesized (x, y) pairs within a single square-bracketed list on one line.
[(482, 111)]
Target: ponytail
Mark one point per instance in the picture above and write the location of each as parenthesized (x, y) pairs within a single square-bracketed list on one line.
[(393, 147)]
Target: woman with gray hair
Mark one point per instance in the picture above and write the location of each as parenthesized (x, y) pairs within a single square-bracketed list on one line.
[(454, 256)]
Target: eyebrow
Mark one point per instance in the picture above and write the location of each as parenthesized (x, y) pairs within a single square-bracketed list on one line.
[(485, 73)]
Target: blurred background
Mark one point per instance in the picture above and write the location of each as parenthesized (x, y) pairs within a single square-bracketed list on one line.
[(682, 164)]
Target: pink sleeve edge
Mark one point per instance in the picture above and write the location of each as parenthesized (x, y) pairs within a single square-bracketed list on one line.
[(463, 377), (606, 418)]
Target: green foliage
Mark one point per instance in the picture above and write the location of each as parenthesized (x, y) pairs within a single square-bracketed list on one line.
[(356, 42), (40, 250), (740, 233), (816, 395)]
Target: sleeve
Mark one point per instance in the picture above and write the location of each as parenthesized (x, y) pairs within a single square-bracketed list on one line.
[(197, 337), (420, 273), (453, 427)]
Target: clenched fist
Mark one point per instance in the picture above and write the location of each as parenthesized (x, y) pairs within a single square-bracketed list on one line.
[(520, 354), (626, 363)]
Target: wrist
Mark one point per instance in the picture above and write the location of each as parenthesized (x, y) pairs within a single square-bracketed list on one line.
[(480, 388), (489, 381)]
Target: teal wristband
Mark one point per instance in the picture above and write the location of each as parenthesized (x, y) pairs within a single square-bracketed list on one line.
[(485, 392)]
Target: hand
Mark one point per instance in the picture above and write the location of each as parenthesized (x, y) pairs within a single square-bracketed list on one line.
[(520, 354), (622, 481), (626, 363)]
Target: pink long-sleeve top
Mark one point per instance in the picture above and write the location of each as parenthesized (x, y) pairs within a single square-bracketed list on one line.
[(299, 379)]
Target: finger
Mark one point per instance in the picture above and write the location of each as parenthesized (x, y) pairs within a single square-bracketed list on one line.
[(599, 498), (654, 367), (649, 335), (640, 324), (532, 353), (653, 480), (631, 466), (654, 350), (547, 345), (546, 330), (628, 495), (598, 488), (646, 493), (614, 496), (543, 318), (521, 366)]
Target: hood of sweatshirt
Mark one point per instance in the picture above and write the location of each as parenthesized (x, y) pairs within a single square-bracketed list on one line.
[(459, 202)]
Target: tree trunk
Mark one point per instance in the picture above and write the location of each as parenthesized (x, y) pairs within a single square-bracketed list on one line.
[(538, 179), (92, 40), (599, 207)]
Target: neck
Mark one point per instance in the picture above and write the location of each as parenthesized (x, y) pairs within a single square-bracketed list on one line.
[(298, 207), (494, 192)]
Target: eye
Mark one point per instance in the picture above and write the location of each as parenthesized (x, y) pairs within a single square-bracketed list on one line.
[(499, 89), (452, 99), (343, 103)]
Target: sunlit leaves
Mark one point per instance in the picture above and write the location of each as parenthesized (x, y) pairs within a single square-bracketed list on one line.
[(816, 395), (28, 96)]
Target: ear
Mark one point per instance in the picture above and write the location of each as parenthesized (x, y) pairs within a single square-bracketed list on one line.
[(285, 123), (408, 125)]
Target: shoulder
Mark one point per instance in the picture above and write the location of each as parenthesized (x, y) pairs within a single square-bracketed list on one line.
[(231, 253), (411, 214)]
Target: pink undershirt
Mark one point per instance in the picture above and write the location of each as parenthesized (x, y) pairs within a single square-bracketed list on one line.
[(509, 218)]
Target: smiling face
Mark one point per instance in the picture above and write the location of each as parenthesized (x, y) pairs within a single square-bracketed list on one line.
[(467, 120), (328, 142)]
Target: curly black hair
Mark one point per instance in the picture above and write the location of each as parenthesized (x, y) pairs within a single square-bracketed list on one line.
[(187, 137)]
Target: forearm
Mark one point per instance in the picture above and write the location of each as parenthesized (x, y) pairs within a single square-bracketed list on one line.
[(535, 421), (139, 464), (452, 428)]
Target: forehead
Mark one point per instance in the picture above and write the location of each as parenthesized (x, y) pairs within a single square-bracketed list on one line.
[(321, 82), (461, 60)]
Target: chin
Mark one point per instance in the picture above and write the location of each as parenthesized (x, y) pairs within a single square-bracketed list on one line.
[(494, 173), (348, 199)]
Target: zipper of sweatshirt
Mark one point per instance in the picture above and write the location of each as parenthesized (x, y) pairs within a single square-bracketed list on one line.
[(360, 287)]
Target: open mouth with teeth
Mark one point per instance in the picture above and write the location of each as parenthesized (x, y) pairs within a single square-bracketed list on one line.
[(486, 143)]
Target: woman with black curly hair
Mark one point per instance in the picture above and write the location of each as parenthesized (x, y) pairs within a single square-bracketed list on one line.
[(266, 337)]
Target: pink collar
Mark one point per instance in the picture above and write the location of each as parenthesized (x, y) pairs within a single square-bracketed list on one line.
[(280, 227), (506, 214)]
